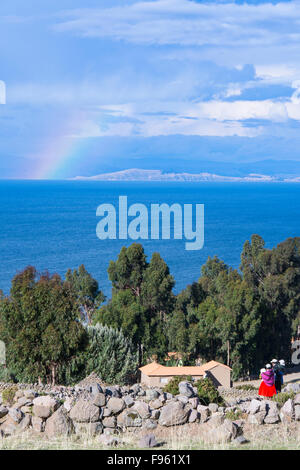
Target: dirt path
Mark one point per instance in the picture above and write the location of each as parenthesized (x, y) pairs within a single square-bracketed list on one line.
[(291, 377)]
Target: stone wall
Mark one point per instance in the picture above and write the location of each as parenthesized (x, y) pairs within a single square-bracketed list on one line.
[(98, 410)]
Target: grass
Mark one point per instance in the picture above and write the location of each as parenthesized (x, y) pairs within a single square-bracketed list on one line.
[(266, 437)]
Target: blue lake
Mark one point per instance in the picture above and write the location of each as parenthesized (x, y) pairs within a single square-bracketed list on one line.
[(52, 224)]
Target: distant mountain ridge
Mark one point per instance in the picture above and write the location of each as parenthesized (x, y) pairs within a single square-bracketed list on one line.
[(136, 174)]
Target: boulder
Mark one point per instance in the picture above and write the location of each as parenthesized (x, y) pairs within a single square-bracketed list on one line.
[(155, 414), (59, 424), (142, 408), (213, 407), (218, 435), (99, 399), (182, 398), (109, 422), (156, 404), (25, 423), (37, 424), (257, 418), (85, 411), (108, 441), (287, 412), (186, 389), (254, 406), (150, 424), (3, 411), (292, 387), (30, 394), (194, 402), (129, 418), (8, 427), (297, 399), (129, 401), (297, 412), (44, 406), (174, 413), (216, 419), (148, 441), (204, 413), (272, 416), (193, 416), (115, 405), (15, 414), (152, 394), (113, 392)]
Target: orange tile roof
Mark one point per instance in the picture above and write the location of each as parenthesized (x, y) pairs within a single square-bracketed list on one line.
[(157, 370)]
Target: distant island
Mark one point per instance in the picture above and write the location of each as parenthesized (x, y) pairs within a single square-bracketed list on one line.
[(136, 174)]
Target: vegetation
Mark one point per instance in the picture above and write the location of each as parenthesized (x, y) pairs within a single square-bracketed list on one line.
[(8, 395), (53, 327), (234, 415), (173, 385), (208, 393), (281, 398), (247, 387)]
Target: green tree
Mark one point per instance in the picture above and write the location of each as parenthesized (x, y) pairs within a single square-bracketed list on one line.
[(87, 292), (38, 323), (111, 355)]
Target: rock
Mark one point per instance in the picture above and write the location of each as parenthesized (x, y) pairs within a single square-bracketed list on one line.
[(152, 394), (173, 414), (213, 407), (91, 429), (194, 415), (272, 416), (297, 399), (94, 388), (218, 435), (15, 414), (142, 408), (156, 404), (258, 418), (109, 422), (113, 392), (194, 402), (297, 412), (182, 398), (107, 440), (37, 424), (204, 413), (287, 412), (216, 419), (186, 389), (23, 401), (292, 387), (69, 403), (148, 441), (254, 407), (106, 412), (155, 414), (150, 424), (30, 394), (25, 423), (129, 418), (3, 411), (59, 424), (44, 406), (99, 399), (129, 401), (240, 440), (8, 427), (85, 412), (115, 405)]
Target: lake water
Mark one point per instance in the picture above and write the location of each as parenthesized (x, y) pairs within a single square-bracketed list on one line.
[(52, 224)]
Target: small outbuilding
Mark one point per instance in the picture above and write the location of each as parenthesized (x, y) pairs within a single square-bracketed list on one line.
[(156, 375)]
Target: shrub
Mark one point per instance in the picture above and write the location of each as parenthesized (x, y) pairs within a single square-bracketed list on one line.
[(6, 375), (8, 395), (208, 393), (281, 398), (233, 415), (173, 385)]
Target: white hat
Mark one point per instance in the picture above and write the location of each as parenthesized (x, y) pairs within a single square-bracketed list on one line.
[(262, 370), (268, 366), (282, 362), (274, 360)]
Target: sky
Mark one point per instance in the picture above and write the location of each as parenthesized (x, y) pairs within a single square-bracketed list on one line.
[(97, 86)]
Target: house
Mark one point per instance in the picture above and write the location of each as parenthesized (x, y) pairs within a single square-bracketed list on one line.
[(156, 375)]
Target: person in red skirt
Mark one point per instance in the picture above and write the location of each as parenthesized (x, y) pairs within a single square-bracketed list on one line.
[(267, 386)]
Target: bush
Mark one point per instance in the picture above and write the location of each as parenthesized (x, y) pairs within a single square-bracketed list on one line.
[(6, 375), (173, 385), (8, 395), (233, 415), (208, 393), (281, 398)]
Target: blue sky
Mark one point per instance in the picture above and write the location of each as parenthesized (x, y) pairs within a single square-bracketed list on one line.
[(98, 85)]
